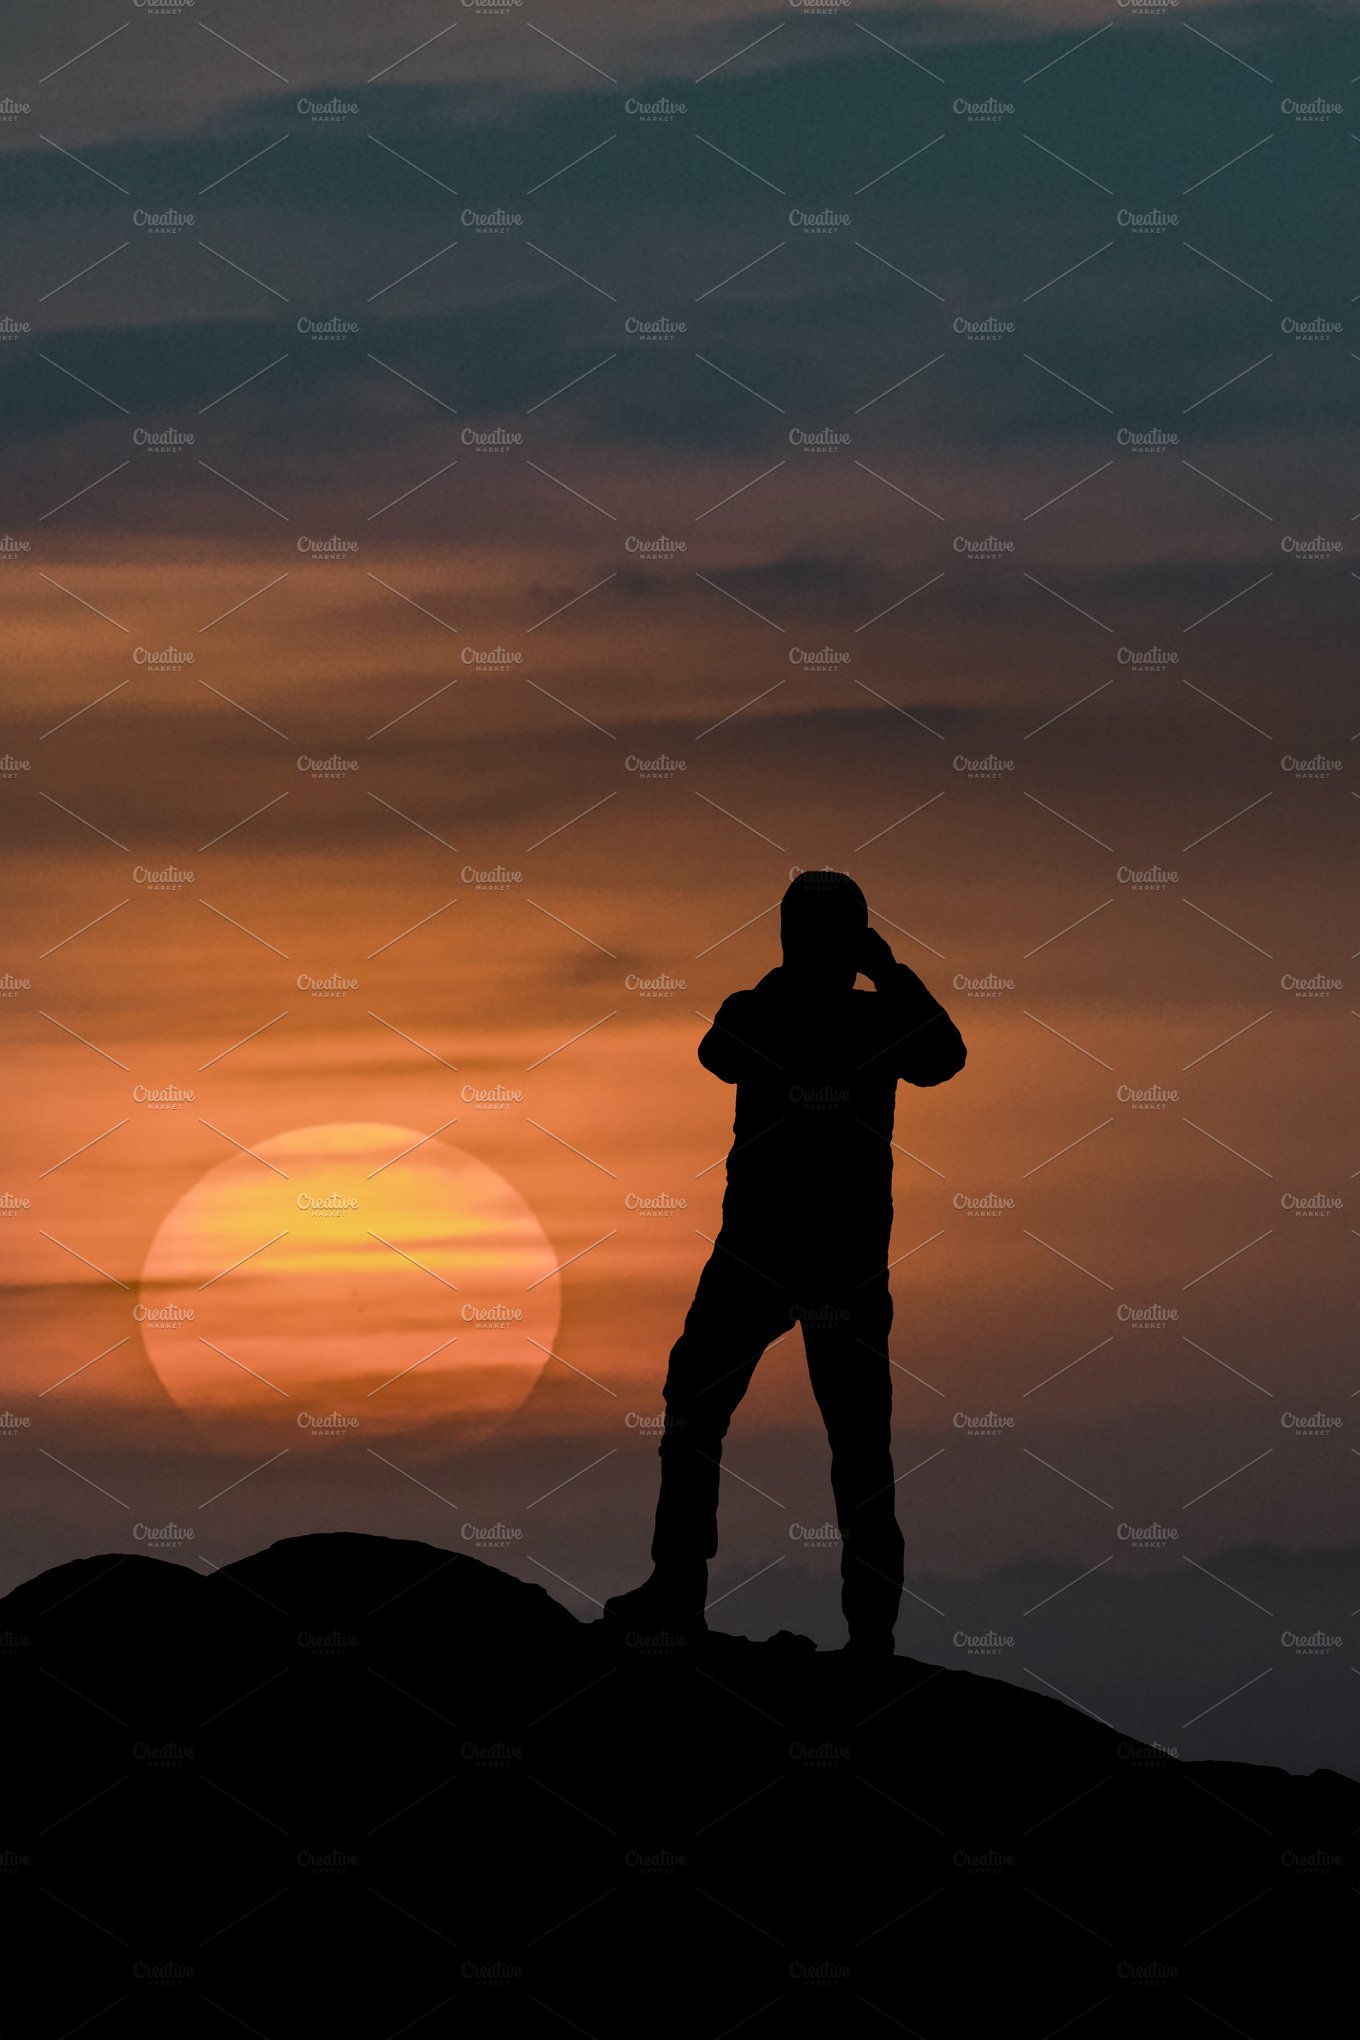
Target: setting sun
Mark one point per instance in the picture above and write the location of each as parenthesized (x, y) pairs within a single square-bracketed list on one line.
[(357, 1272)]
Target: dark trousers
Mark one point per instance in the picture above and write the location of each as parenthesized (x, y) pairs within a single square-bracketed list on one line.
[(736, 1312)]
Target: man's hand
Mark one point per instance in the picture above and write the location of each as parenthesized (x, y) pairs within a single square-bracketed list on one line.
[(875, 957)]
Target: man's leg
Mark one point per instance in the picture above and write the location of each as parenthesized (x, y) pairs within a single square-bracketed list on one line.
[(847, 1349), (735, 1313)]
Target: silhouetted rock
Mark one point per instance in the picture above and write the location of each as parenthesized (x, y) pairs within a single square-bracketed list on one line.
[(353, 1786)]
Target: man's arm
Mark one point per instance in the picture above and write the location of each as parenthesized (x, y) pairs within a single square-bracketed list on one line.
[(729, 1048), (918, 1037)]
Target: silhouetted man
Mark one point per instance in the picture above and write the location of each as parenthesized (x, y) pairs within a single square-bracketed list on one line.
[(804, 1238)]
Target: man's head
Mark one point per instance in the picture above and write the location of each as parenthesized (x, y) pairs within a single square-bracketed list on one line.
[(822, 922)]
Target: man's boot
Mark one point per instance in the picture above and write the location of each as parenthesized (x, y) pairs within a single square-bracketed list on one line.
[(671, 1602), (870, 1644)]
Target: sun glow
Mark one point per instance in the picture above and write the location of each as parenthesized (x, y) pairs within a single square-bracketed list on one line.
[(358, 1272)]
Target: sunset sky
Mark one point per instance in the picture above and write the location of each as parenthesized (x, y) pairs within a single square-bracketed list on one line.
[(491, 492)]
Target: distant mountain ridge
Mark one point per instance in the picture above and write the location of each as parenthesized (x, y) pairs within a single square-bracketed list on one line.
[(355, 1786)]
